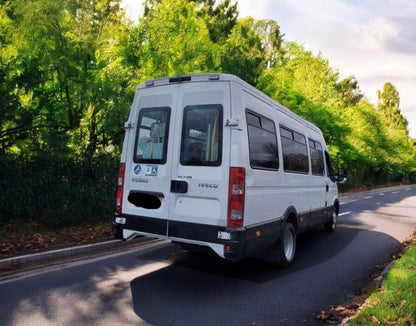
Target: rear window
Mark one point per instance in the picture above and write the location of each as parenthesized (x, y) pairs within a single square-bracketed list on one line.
[(152, 135), (202, 135)]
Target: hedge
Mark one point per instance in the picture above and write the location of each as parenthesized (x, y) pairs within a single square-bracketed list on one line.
[(58, 191)]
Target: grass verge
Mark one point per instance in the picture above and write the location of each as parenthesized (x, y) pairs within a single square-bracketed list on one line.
[(394, 303)]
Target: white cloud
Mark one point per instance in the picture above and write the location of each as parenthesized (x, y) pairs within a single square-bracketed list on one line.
[(257, 10), (378, 33)]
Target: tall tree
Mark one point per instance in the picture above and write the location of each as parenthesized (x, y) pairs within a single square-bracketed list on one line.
[(271, 42), (220, 18), (389, 103), (174, 40), (401, 151), (305, 83), (370, 139), (242, 52), (54, 72), (350, 91)]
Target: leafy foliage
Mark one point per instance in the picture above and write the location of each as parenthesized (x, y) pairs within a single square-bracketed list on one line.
[(69, 69), (174, 40), (371, 142)]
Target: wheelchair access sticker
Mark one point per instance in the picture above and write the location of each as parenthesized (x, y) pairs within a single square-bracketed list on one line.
[(136, 169), (151, 170)]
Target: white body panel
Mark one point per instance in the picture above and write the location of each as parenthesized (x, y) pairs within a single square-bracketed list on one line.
[(193, 196)]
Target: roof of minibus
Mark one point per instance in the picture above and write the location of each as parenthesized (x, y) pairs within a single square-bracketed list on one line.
[(205, 77)]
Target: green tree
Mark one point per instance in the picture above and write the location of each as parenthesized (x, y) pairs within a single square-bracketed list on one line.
[(271, 42), (350, 91), (389, 103), (306, 84), (220, 18), (172, 40), (313, 76), (242, 53), (369, 137), (401, 150), (20, 73), (53, 64)]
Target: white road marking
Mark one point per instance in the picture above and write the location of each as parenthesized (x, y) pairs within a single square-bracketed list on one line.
[(345, 213)]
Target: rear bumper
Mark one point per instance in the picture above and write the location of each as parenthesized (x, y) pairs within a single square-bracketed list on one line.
[(237, 243)]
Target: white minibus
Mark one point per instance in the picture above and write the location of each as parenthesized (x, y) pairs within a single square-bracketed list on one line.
[(210, 161)]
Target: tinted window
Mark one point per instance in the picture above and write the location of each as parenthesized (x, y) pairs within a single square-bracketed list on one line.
[(152, 135), (317, 157), (202, 135), (329, 169), (253, 120), (295, 153), (262, 142)]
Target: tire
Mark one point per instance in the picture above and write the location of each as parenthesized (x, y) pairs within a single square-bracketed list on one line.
[(288, 245), (330, 226)]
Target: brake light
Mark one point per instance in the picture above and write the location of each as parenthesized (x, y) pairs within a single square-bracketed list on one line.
[(236, 197), (120, 185)]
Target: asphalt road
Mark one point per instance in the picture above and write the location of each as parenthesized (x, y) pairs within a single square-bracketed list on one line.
[(159, 284)]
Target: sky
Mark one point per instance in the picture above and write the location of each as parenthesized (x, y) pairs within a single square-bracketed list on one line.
[(373, 40)]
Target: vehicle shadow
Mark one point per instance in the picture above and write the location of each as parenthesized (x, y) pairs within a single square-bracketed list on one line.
[(203, 289)]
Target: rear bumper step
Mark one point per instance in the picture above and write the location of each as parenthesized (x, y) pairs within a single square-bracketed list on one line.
[(238, 243)]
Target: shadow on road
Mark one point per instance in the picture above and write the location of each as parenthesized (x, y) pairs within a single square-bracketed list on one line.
[(175, 288), (207, 290)]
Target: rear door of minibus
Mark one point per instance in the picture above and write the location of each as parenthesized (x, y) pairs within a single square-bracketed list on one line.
[(177, 173), (200, 162)]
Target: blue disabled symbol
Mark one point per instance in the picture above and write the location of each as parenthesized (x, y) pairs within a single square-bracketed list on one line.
[(137, 169)]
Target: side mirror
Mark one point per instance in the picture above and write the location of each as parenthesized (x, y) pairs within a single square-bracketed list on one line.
[(341, 177)]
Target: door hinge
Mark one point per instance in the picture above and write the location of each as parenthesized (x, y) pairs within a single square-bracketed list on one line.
[(128, 125), (231, 122)]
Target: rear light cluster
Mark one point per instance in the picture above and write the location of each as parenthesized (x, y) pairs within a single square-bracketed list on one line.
[(120, 185), (236, 197)]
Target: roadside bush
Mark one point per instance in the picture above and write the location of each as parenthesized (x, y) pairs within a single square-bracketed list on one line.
[(58, 191)]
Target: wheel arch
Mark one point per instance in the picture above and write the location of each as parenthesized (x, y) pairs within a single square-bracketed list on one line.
[(291, 216)]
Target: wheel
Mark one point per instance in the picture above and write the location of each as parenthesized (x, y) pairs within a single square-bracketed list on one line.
[(288, 245), (331, 224)]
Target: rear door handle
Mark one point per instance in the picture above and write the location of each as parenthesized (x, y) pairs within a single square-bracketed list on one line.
[(178, 186)]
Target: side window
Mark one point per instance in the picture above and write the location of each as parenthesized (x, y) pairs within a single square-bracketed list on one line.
[(262, 142), (202, 135), (152, 136), (317, 157), (295, 152), (329, 169)]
